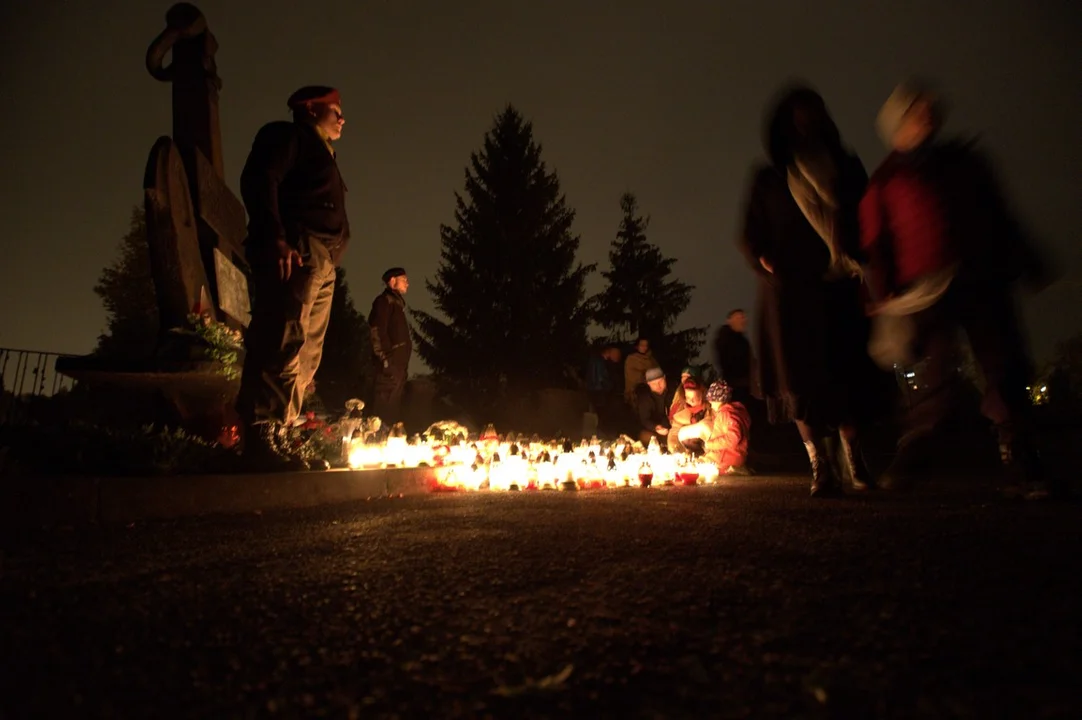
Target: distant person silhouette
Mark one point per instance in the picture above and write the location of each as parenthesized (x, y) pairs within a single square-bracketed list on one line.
[(391, 344), (732, 355)]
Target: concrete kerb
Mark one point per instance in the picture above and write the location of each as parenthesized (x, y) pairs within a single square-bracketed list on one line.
[(113, 500)]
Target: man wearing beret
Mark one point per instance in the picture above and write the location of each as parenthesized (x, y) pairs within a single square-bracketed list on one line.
[(297, 234), (391, 344)]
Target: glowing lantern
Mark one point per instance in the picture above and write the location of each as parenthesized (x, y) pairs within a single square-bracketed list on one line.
[(394, 450), (646, 474), (498, 478), (687, 472), (708, 473)]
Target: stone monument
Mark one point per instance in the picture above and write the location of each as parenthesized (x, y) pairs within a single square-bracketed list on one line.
[(195, 223), (195, 230)]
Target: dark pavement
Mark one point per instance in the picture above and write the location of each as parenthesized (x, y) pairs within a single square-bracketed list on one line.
[(741, 601)]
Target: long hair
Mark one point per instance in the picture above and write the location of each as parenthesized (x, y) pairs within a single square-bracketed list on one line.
[(780, 130)]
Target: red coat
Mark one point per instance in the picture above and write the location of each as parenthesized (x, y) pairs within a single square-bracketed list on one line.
[(904, 227), (728, 443)]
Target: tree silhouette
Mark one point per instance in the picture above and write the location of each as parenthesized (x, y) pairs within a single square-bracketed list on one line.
[(346, 370), (640, 299), (509, 283), (126, 288)]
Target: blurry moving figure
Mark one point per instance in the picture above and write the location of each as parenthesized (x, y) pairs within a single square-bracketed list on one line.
[(800, 237), (944, 251), (391, 344), (730, 431), (733, 356)]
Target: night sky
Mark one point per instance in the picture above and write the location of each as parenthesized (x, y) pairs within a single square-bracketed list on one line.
[(662, 98)]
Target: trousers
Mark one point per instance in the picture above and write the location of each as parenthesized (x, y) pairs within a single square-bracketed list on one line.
[(987, 316), (284, 342), (391, 385)]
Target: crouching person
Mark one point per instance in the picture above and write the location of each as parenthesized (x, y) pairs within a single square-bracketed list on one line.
[(690, 419), (727, 444), (650, 407)]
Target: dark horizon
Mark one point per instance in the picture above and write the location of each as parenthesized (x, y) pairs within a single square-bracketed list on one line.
[(664, 103)]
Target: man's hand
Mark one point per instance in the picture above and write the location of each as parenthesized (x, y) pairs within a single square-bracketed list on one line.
[(287, 255), (661, 430)]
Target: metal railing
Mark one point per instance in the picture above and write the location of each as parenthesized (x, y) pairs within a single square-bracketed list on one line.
[(28, 378)]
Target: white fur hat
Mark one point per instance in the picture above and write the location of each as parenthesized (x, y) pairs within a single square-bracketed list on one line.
[(898, 104)]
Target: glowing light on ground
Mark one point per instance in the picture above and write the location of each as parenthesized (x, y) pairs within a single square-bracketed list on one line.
[(509, 465)]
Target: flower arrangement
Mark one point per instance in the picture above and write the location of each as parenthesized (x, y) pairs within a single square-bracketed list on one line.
[(223, 344)]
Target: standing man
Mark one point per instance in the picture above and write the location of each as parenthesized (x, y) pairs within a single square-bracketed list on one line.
[(297, 234), (637, 363), (605, 396), (391, 344), (732, 356)]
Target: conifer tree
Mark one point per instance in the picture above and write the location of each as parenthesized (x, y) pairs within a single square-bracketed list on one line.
[(126, 288), (640, 298), (509, 285)]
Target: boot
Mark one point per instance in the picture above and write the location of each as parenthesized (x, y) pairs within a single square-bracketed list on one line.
[(825, 482), (263, 453), (290, 445), (915, 449), (855, 467)]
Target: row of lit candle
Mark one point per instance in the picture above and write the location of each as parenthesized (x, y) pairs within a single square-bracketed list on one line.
[(506, 466)]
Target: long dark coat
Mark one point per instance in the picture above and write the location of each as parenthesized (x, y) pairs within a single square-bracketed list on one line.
[(812, 333)]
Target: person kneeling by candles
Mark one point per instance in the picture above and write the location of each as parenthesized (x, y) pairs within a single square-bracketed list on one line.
[(727, 443), (690, 419)]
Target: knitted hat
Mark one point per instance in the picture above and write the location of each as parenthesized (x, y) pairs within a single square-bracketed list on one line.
[(719, 392), (654, 373)]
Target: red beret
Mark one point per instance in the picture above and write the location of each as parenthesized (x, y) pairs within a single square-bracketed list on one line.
[(314, 94)]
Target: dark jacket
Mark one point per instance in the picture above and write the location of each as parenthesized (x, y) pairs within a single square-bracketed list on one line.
[(650, 408), (812, 333), (292, 189), (390, 329), (732, 357), (990, 242), (599, 375)]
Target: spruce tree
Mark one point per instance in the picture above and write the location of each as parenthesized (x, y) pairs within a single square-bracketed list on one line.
[(640, 298), (508, 284), (126, 288), (346, 369)]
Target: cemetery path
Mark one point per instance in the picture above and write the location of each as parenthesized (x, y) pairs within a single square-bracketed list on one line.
[(742, 601)]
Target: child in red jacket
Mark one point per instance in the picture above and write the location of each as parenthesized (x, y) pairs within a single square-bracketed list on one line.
[(727, 446)]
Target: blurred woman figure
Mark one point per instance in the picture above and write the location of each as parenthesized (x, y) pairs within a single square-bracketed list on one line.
[(801, 237)]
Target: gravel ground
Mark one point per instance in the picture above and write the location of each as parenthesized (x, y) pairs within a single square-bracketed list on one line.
[(742, 601)]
